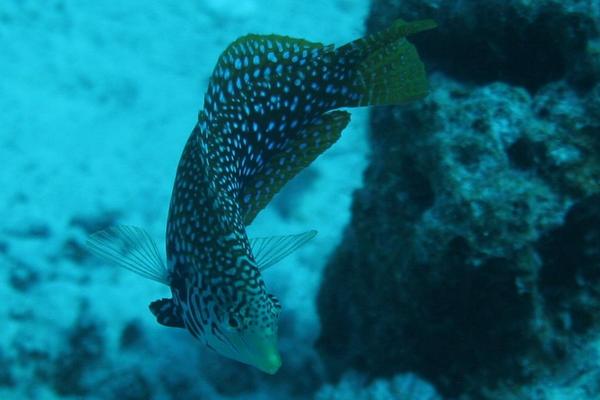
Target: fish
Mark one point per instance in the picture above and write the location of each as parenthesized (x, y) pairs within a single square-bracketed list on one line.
[(272, 106)]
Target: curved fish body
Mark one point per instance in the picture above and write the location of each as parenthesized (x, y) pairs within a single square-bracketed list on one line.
[(269, 111)]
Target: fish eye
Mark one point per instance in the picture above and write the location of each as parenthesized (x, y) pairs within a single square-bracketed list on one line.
[(233, 323)]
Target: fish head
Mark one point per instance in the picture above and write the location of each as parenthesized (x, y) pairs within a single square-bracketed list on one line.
[(251, 337)]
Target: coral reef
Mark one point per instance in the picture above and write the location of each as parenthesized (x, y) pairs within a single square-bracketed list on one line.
[(400, 387), (6, 376), (85, 348), (471, 256)]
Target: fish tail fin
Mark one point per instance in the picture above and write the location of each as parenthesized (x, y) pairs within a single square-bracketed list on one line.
[(132, 248), (384, 68)]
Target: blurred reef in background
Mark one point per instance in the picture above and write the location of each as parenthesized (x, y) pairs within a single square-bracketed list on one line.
[(473, 254)]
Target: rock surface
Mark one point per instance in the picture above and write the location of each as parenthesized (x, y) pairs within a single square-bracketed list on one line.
[(472, 254), (356, 387)]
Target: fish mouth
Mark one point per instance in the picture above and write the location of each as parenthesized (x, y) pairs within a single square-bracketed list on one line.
[(270, 361), (257, 350)]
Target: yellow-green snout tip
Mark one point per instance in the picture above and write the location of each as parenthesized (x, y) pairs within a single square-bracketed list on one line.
[(265, 355), (271, 362), (252, 347)]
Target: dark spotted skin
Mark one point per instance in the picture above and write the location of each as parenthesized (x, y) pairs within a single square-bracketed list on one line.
[(262, 95), (267, 114), (213, 277)]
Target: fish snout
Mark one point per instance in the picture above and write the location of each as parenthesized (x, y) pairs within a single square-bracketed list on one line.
[(271, 363), (264, 354)]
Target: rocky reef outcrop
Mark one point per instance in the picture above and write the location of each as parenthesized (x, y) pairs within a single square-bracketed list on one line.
[(472, 256)]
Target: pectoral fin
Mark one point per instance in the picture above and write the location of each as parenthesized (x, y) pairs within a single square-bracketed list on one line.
[(268, 251), (132, 248)]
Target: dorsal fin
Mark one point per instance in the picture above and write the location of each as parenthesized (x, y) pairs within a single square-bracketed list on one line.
[(252, 44), (259, 59), (259, 189), (261, 62)]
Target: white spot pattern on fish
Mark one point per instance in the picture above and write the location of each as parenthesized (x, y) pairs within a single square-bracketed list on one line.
[(269, 111)]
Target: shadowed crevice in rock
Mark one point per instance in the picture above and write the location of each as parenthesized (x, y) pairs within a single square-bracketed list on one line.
[(523, 43)]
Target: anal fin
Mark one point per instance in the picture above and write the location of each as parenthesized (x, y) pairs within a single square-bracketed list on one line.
[(167, 313), (298, 154)]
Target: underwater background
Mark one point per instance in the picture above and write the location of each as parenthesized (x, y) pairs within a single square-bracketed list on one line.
[(458, 254)]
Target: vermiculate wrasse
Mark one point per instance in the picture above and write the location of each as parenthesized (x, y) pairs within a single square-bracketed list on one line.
[(269, 111)]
